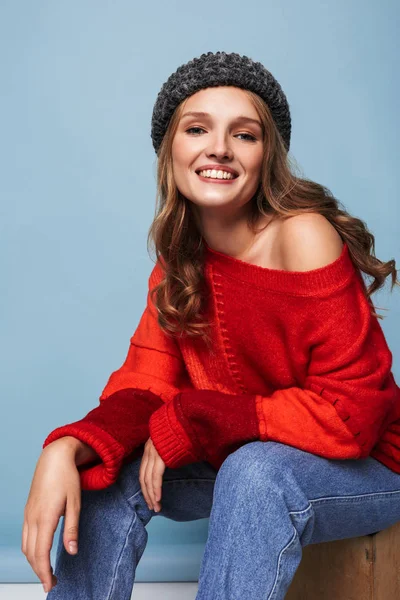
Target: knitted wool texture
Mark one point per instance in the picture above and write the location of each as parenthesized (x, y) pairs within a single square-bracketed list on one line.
[(298, 359), (215, 69)]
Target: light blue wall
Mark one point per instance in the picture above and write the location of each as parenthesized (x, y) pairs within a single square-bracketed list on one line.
[(78, 83)]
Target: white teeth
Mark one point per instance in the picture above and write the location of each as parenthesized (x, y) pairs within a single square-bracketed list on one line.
[(216, 174)]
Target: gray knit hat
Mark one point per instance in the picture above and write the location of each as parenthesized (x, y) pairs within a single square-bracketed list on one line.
[(214, 69)]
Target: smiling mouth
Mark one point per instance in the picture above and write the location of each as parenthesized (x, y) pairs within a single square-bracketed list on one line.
[(226, 176)]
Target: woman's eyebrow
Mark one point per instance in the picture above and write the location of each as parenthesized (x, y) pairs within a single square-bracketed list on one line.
[(240, 118)]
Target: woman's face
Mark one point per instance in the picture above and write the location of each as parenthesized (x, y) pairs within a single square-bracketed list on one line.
[(229, 134)]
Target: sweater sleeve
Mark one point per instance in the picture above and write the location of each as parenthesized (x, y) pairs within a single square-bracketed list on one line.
[(152, 373), (345, 402)]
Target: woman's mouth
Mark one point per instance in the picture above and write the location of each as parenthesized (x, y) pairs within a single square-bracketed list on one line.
[(213, 176)]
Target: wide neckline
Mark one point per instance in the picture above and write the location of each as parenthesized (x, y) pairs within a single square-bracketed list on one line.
[(307, 283)]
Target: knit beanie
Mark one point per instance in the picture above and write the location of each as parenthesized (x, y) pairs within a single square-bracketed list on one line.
[(215, 69)]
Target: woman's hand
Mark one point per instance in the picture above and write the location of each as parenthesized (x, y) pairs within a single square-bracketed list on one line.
[(55, 491), (151, 471)]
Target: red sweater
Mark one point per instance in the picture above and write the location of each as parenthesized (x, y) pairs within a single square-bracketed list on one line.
[(297, 358)]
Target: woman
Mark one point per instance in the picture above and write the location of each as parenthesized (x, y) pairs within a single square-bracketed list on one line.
[(257, 389)]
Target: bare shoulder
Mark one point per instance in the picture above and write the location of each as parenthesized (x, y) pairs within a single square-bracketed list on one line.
[(308, 241)]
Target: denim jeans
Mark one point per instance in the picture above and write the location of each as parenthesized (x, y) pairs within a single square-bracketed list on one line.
[(267, 501)]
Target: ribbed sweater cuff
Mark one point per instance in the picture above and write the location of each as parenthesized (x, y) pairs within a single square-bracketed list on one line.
[(170, 438), (109, 450)]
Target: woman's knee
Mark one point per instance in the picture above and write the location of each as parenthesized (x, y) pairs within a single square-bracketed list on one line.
[(260, 463)]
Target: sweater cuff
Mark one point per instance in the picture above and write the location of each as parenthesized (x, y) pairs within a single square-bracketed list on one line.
[(170, 438), (109, 450)]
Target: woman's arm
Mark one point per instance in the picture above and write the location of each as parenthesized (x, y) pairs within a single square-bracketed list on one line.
[(152, 373)]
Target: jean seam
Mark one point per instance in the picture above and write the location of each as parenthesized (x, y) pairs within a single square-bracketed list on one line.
[(277, 575), (354, 497), (135, 494), (299, 513), (120, 556)]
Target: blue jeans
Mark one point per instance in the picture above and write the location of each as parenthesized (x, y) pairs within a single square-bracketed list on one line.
[(267, 501)]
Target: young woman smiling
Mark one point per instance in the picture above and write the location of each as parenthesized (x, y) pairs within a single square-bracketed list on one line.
[(257, 389)]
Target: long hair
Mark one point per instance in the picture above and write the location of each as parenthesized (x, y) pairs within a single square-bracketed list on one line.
[(179, 246)]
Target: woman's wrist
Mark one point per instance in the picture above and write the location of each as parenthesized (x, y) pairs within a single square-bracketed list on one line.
[(81, 452)]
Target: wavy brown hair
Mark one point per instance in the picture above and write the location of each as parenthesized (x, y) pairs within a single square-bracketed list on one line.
[(281, 194)]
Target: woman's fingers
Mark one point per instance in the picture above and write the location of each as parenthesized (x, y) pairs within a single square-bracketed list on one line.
[(35, 553), (158, 471), (148, 479), (150, 475), (154, 471), (44, 540), (142, 472), (71, 523)]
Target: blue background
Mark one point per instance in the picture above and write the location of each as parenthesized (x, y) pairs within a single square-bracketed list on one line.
[(78, 83)]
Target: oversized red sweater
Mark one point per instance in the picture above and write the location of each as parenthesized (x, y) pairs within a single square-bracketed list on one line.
[(296, 358)]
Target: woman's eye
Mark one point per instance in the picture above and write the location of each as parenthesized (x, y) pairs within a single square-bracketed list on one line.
[(192, 128), (250, 137)]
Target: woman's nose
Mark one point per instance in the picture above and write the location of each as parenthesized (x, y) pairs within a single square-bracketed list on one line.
[(220, 148)]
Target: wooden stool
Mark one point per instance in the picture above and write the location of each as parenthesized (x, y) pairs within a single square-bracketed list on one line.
[(361, 568)]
